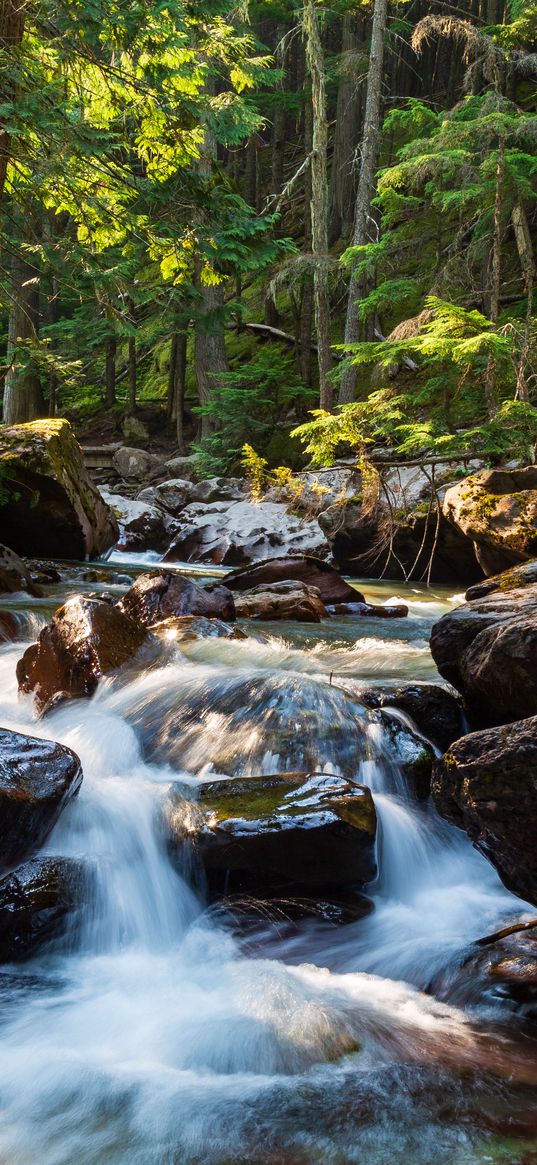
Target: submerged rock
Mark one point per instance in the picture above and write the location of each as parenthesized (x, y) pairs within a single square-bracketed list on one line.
[(291, 829), (86, 640), (304, 568), (487, 650), (497, 511), (239, 533), (487, 785), (191, 628), (37, 779), (52, 506), (154, 597), (281, 600), (36, 901)]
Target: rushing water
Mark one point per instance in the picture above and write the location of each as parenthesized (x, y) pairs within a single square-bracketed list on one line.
[(159, 1034)]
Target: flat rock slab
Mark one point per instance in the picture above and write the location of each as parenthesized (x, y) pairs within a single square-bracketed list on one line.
[(37, 779)]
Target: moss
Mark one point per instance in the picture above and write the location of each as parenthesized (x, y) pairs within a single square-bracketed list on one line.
[(257, 798)]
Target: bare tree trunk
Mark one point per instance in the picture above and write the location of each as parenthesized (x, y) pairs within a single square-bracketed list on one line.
[(210, 356), (527, 263), (180, 376), (12, 14), (319, 200), (278, 123), (346, 134), (132, 361), (110, 372), (306, 298), (491, 392), (366, 184), (23, 399)]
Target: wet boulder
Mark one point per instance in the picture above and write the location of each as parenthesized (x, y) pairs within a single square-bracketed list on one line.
[(486, 649), (9, 627), (185, 629), (142, 526), (154, 597), (286, 830), (281, 600), (52, 507), (37, 901), (14, 574), (509, 580), (369, 610), (304, 568), (239, 533), (497, 511), (37, 779), (406, 754), (86, 640), (487, 785), (436, 713)]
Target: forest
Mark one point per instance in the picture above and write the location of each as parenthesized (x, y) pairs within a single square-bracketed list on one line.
[(244, 221), (268, 582)]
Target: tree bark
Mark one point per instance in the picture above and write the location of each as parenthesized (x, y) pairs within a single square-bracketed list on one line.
[(210, 356), (12, 14), (23, 398), (110, 372), (132, 362), (346, 134), (319, 200), (366, 183), (491, 392)]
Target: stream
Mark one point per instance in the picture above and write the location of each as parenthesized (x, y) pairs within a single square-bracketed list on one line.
[(165, 1031)]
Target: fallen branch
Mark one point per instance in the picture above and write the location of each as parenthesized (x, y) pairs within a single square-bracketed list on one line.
[(499, 934)]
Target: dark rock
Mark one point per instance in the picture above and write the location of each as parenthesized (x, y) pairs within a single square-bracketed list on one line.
[(37, 778), (155, 597), (497, 511), (43, 571), (292, 829), (9, 627), (509, 580), (437, 713), (36, 902), (410, 753), (53, 508), (299, 568), (369, 610), (486, 649), (87, 639), (185, 629), (14, 574), (281, 600), (487, 784)]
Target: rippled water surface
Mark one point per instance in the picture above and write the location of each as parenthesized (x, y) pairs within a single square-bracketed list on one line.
[(161, 1032)]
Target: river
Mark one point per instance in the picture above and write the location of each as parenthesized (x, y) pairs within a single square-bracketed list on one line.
[(161, 1031)]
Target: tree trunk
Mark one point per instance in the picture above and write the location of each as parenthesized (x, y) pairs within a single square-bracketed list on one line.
[(132, 361), (346, 134), (491, 392), (278, 123), (180, 376), (12, 14), (366, 184), (319, 200), (210, 356), (110, 372), (23, 399), (306, 299)]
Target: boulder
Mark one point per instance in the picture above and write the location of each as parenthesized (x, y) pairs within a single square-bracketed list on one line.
[(51, 506), (486, 649), (286, 830), (180, 466), (172, 495), (497, 511), (509, 580), (411, 755), (185, 629), (136, 464), (487, 785), (369, 610), (37, 778), (135, 432), (436, 713), (86, 640), (154, 597), (304, 568), (36, 902), (14, 575), (141, 525), (239, 533), (9, 627), (281, 600), (219, 489)]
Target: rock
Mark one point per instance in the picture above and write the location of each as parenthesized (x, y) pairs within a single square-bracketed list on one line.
[(37, 778), (410, 753), (136, 464), (141, 526), (499, 971), (281, 600), (86, 640), (9, 627), (486, 649), (186, 629), (14, 574), (509, 580), (154, 597), (437, 713), (52, 507), (173, 495), (497, 511), (372, 610), (135, 432), (219, 489), (292, 829), (240, 533), (487, 784), (183, 467), (299, 568), (36, 902)]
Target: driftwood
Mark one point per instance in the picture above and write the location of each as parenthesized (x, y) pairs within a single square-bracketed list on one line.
[(518, 927)]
